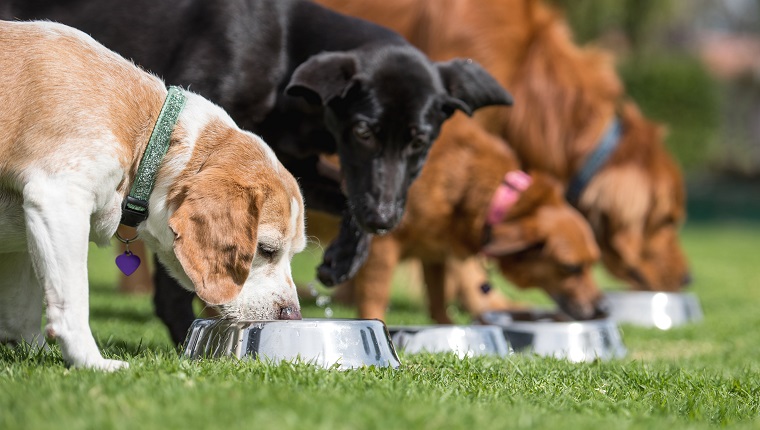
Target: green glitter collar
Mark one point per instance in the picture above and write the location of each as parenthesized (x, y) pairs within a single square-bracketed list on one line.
[(135, 206)]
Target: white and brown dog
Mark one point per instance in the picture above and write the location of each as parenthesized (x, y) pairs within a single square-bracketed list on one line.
[(75, 119)]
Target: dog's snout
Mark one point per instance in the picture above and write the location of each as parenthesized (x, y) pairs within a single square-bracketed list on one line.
[(601, 308), (381, 221), (290, 313), (581, 310), (378, 225)]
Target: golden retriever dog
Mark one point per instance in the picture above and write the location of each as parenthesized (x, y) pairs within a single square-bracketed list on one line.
[(78, 126), (570, 119), (471, 199)]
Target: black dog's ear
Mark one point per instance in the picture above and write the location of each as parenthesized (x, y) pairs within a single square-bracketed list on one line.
[(467, 82), (323, 77)]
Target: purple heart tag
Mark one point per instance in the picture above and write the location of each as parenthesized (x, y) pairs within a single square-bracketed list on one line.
[(128, 263)]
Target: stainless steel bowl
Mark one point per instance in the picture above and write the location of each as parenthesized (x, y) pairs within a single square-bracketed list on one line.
[(654, 309), (341, 343), (546, 333), (464, 341)]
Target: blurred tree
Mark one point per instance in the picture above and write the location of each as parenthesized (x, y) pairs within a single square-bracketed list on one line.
[(659, 71), (590, 18), (638, 20), (643, 18)]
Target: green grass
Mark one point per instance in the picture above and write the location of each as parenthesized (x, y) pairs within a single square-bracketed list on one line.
[(697, 376)]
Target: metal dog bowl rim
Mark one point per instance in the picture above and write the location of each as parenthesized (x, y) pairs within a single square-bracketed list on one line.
[(663, 310), (198, 337), (499, 344), (603, 335)]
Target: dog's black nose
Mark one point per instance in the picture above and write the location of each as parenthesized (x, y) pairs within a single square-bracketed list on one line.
[(290, 313), (378, 225), (381, 220), (602, 308), (686, 280)]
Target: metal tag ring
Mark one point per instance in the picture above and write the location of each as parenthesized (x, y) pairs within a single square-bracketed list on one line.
[(125, 241)]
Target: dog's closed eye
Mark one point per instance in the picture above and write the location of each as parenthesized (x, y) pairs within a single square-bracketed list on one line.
[(667, 221), (267, 251), (571, 269)]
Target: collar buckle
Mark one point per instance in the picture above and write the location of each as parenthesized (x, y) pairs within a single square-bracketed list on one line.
[(133, 211)]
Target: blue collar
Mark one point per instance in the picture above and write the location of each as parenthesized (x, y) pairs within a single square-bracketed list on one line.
[(595, 161)]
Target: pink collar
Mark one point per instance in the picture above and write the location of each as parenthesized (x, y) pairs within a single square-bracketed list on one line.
[(513, 184)]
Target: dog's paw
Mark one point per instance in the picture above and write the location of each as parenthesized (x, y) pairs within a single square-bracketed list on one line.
[(340, 262), (345, 255), (107, 365), (331, 272)]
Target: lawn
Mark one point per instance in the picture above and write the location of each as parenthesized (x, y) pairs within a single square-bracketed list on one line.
[(697, 376)]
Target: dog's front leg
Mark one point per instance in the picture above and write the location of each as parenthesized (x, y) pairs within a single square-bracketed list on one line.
[(57, 227), (346, 254), (373, 281), (434, 274)]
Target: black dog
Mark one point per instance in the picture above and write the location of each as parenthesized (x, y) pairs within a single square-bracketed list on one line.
[(311, 82)]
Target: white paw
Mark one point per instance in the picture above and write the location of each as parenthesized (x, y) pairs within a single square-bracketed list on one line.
[(106, 365)]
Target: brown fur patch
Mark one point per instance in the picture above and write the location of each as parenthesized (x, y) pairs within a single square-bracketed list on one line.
[(78, 98), (227, 190)]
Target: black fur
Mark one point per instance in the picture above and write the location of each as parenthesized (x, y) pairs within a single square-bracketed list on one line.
[(309, 81)]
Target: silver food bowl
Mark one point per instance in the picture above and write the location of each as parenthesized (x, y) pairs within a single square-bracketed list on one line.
[(464, 341), (653, 309), (328, 343), (546, 333)]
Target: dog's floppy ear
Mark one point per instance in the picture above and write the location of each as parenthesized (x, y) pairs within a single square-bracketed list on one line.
[(216, 240), (323, 77), (512, 237), (470, 86)]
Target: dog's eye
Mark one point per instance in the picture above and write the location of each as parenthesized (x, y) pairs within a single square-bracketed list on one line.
[(572, 269), (669, 221), (418, 143), (362, 131), (266, 251)]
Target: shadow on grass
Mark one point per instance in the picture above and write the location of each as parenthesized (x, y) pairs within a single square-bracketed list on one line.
[(128, 315), (12, 354), (132, 348)]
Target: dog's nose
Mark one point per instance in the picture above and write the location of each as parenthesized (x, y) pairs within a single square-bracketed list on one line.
[(601, 308), (581, 310), (290, 313), (379, 225), (686, 280), (381, 220)]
